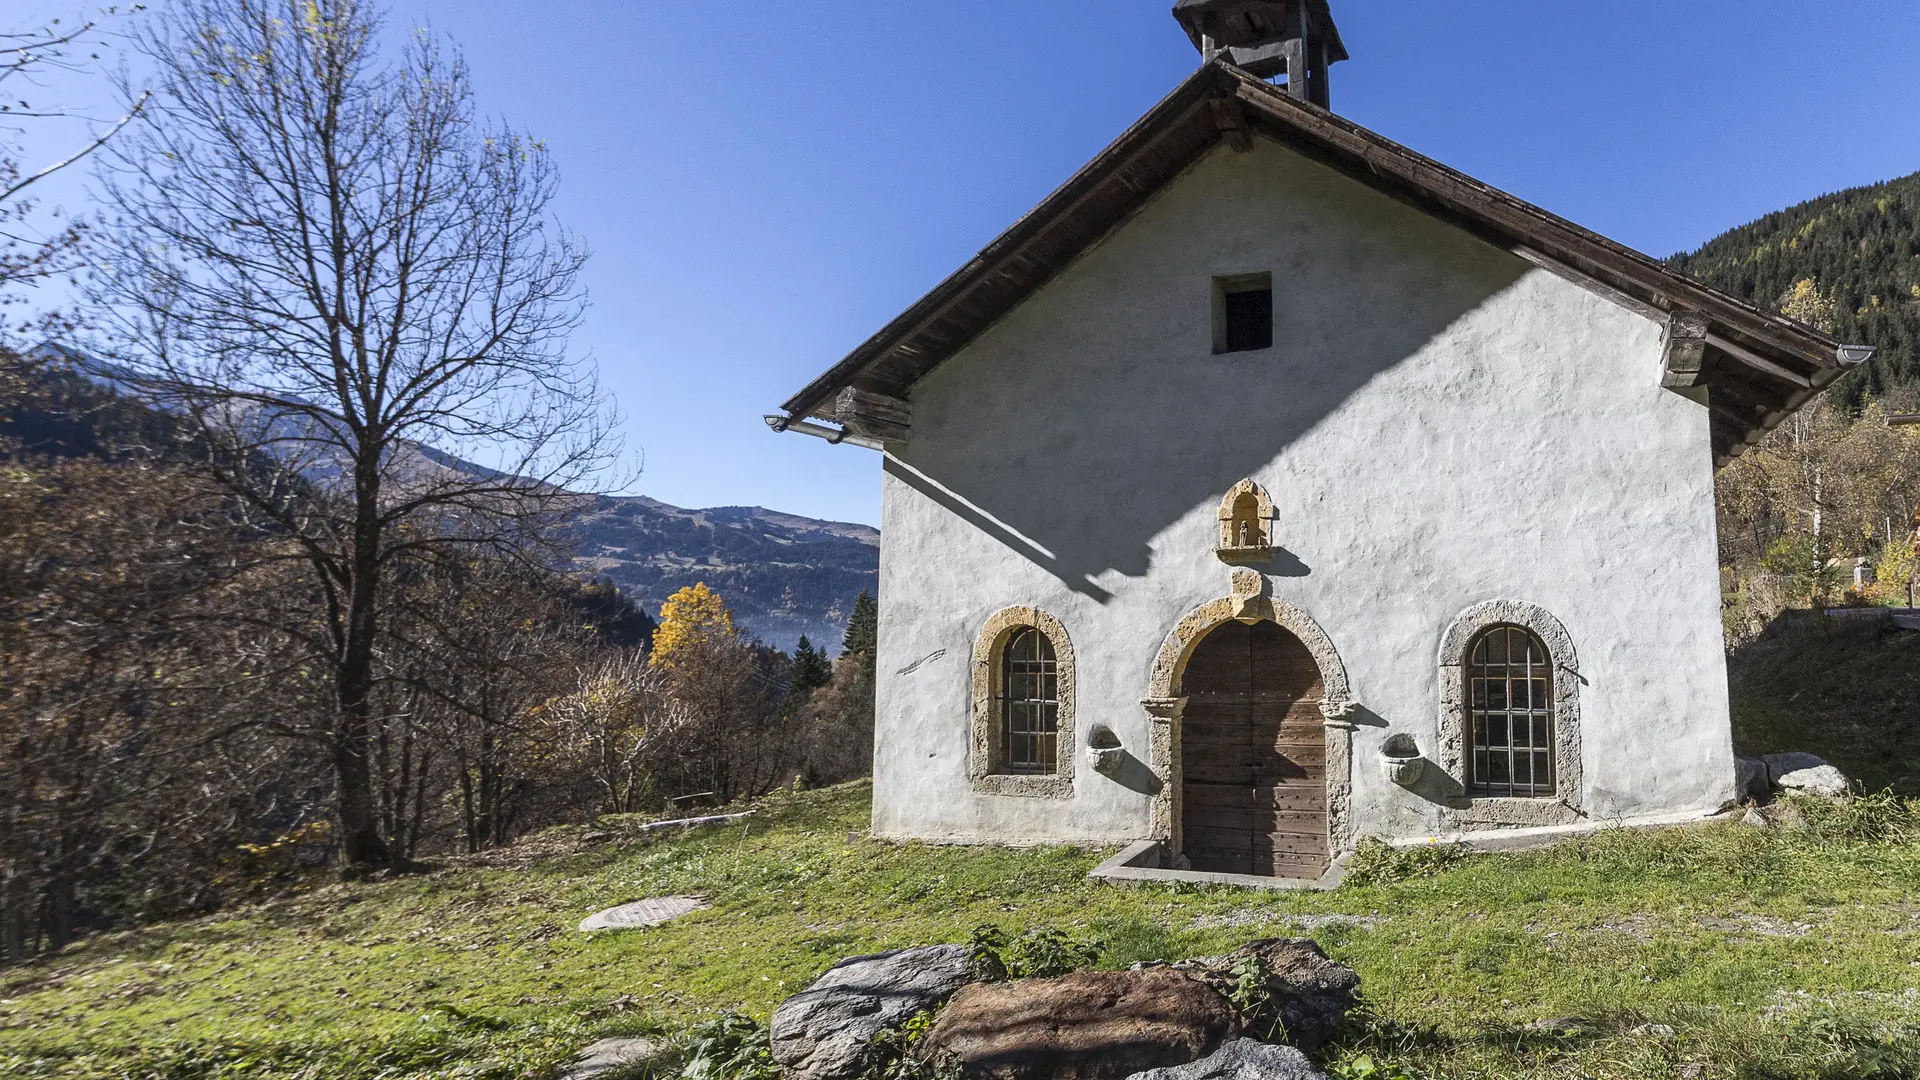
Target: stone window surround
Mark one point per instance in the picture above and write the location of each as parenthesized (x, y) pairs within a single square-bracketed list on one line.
[(985, 752), (1476, 812), (1164, 705)]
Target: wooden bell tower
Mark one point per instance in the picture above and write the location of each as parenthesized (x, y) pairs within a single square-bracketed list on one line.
[(1269, 38)]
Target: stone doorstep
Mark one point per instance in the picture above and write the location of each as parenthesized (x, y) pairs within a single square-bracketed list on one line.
[(1138, 863)]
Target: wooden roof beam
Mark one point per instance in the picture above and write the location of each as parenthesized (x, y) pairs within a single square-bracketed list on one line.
[(1232, 122), (1757, 362)]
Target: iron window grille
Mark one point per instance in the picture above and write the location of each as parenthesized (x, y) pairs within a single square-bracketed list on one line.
[(1510, 709), (1029, 704)]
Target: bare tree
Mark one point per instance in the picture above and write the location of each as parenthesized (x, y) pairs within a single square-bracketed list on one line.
[(614, 727), (126, 684), (33, 247), (344, 284)]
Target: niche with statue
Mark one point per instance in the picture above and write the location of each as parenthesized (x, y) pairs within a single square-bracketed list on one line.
[(1246, 525)]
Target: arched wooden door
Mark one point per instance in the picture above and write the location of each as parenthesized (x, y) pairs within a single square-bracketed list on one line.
[(1253, 750)]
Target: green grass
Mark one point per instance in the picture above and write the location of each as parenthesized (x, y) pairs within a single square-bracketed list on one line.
[(1768, 953)]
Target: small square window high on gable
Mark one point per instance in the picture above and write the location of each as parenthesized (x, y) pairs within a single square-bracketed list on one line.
[(1242, 313)]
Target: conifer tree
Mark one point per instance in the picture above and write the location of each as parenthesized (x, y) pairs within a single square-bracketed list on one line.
[(863, 632), (811, 668)]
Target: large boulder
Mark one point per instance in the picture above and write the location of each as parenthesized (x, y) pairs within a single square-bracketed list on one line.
[(824, 1032), (1779, 765), (1824, 781), (1242, 1059), (1090, 1025), (1307, 994)]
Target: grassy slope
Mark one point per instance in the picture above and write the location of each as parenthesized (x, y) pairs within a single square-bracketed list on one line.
[(1849, 692), (476, 971)]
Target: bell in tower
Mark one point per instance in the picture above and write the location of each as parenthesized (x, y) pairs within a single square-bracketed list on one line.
[(1269, 38)]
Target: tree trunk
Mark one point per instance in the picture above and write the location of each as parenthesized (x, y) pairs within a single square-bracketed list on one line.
[(13, 920), (56, 912), (361, 842)]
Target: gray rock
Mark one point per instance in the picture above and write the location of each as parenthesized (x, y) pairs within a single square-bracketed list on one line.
[(1307, 993), (1750, 779), (608, 1055), (1565, 1026), (1779, 765), (1652, 1031), (1824, 781), (823, 1032), (1242, 1059), (642, 913)]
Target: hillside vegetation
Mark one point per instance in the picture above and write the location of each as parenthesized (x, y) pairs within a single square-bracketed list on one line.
[(1715, 952), (1845, 688), (1861, 247)]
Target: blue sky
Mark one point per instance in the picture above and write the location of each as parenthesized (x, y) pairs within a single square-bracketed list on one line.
[(762, 192)]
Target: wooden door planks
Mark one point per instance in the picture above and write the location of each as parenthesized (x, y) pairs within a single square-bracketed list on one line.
[(1253, 747)]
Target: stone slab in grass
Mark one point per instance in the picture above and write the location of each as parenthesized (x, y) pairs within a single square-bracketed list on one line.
[(643, 913), (608, 1055)]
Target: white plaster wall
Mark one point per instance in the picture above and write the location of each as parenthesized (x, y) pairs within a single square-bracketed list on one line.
[(1439, 423)]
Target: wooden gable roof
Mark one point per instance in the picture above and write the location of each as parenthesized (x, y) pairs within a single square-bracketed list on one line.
[(1756, 366)]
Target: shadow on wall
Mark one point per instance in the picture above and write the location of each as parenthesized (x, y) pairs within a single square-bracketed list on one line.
[(1076, 434)]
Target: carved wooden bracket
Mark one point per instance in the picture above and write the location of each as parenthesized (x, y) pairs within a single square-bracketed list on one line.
[(865, 413), (1685, 350)]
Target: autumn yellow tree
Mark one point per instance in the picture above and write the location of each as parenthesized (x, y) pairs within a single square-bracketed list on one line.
[(692, 622), (1827, 486)]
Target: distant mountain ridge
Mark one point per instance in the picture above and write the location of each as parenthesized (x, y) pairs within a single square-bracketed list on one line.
[(783, 575), (1860, 247)]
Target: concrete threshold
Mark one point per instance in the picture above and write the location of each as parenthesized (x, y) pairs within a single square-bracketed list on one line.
[(1543, 835), (1142, 862)]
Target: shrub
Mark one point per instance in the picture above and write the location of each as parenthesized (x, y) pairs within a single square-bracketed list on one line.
[(1376, 862), (729, 1047), (899, 1055), (1040, 953)]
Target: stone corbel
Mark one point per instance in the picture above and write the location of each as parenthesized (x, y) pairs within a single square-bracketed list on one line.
[(1249, 589), (1337, 712)]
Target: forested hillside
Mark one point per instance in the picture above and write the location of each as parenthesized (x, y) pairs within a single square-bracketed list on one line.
[(784, 576), (1861, 247)]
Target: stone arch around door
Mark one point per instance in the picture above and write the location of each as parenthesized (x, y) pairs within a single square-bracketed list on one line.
[(1164, 705)]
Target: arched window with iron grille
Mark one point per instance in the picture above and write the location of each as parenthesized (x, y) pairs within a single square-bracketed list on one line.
[(1510, 714), (1029, 704)]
